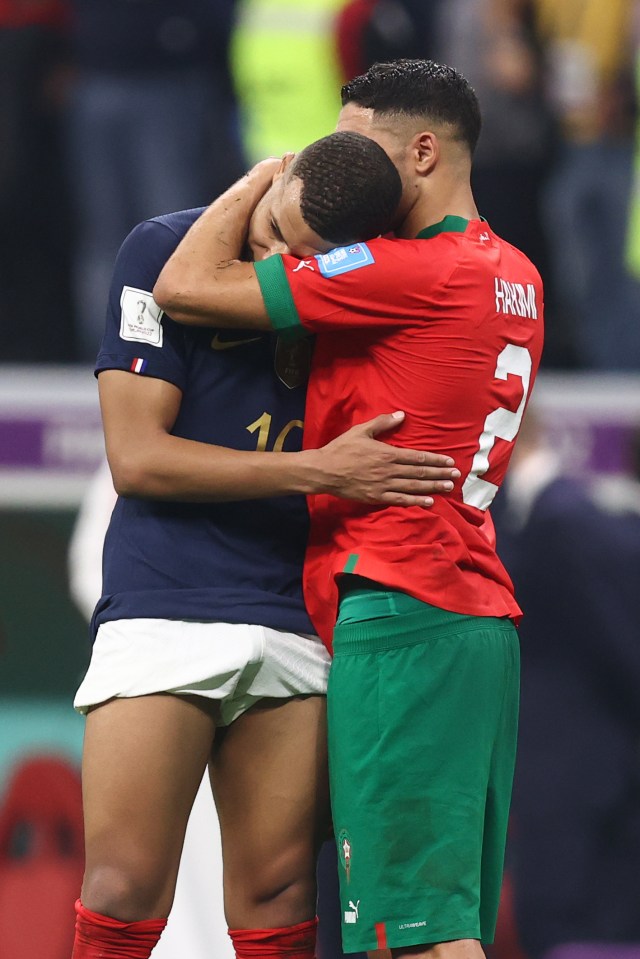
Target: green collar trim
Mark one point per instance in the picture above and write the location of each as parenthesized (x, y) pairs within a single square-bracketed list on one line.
[(450, 224)]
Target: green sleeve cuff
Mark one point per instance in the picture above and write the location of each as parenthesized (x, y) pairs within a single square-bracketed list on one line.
[(276, 293)]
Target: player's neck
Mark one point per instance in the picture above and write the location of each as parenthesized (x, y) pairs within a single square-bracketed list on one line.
[(432, 206)]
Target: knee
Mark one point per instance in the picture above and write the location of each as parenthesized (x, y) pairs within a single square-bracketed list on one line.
[(125, 892), (280, 893)]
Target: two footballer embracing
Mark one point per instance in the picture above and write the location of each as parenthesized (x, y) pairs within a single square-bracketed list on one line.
[(444, 322)]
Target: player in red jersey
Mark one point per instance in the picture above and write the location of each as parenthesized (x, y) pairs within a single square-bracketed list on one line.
[(446, 322)]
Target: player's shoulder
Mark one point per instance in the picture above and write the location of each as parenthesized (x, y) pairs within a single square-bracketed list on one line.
[(395, 249), (151, 242), (449, 238), (517, 257), (442, 244), (178, 223), (423, 258), (160, 230)]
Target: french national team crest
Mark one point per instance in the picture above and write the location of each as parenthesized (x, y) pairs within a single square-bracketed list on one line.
[(293, 361), (344, 851)]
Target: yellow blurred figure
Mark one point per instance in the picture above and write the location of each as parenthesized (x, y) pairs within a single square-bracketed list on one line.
[(589, 50), (286, 73)]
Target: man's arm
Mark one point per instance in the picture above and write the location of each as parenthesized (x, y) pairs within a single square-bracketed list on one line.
[(147, 460), (204, 283)]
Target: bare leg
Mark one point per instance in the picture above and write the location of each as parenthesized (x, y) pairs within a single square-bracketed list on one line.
[(142, 764), (269, 776)]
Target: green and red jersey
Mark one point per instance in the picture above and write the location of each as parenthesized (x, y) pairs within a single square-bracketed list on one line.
[(449, 328)]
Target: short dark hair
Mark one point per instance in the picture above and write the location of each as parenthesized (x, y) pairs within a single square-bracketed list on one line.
[(419, 88), (350, 187)]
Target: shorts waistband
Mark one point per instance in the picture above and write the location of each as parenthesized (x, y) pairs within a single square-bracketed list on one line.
[(377, 619), (361, 603)]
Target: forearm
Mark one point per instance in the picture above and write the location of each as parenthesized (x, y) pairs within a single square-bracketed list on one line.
[(199, 283), (149, 461), (169, 467)]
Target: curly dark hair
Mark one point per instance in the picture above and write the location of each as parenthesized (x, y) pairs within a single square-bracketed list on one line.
[(350, 188), (419, 88)]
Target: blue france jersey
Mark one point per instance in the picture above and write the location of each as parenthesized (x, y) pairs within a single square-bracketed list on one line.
[(232, 562)]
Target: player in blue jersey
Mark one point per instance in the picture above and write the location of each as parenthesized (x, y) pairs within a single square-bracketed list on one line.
[(202, 615)]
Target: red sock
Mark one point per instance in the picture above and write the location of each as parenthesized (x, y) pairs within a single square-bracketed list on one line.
[(291, 942), (99, 937)]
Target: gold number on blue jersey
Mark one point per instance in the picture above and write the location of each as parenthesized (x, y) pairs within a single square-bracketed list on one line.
[(262, 426)]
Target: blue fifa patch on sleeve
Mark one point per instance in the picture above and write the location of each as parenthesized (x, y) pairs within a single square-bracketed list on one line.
[(344, 259)]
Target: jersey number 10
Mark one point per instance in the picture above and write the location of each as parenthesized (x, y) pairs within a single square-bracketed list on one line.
[(262, 426)]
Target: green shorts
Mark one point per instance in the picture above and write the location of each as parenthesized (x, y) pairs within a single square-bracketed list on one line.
[(422, 708)]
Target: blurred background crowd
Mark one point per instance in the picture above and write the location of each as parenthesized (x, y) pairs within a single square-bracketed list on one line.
[(112, 111)]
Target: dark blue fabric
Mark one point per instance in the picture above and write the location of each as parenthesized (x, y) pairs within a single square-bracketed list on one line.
[(233, 562), (575, 844)]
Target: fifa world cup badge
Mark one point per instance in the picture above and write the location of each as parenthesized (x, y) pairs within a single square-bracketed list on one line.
[(344, 848)]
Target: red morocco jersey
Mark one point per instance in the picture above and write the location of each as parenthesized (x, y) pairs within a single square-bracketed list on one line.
[(447, 327)]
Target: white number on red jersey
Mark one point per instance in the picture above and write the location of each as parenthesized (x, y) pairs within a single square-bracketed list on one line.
[(500, 424)]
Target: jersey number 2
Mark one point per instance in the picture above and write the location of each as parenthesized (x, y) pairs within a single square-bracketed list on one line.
[(500, 424)]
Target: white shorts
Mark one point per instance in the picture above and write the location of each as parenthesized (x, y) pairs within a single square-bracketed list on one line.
[(234, 664)]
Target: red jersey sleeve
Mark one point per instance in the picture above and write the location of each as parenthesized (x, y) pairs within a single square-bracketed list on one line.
[(382, 283)]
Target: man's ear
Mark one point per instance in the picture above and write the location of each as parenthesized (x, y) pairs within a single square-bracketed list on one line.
[(285, 162), (426, 148)]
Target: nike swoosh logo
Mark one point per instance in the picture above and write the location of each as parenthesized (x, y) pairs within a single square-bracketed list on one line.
[(218, 344)]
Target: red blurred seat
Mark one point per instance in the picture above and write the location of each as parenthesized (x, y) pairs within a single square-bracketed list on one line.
[(507, 941), (41, 859)]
